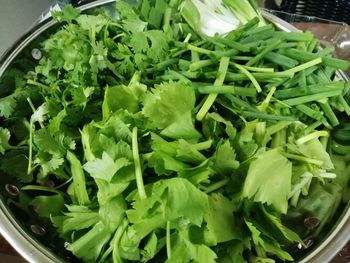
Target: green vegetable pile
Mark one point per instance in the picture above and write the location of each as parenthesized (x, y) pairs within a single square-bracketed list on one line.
[(140, 138)]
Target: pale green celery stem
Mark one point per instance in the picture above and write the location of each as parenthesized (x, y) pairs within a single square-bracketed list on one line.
[(328, 175), (166, 18), (216, 186), (305, 189), (194, 56), (137, 163), (303, 159), (311, 136), (277, 127), (250, 76), (220, 78), (279, 139), (304, 181), (168, 240), (294, 200), (203, 145), (116, 240), (260, 132), (324, 141)]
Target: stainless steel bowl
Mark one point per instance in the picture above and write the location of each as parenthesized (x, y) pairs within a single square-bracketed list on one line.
[(35, 251)]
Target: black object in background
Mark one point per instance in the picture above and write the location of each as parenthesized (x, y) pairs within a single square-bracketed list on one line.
[(336, 10)]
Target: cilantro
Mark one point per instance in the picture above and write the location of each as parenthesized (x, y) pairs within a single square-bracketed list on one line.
[(7, 106), (68, 14), (148, 121)]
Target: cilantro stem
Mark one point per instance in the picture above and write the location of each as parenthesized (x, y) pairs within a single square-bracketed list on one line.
[(138, 171), (216, 186), (220, 78), (30, 154), (168, 240), (31, 105), (311, 136), (35, 83), (33, 109)]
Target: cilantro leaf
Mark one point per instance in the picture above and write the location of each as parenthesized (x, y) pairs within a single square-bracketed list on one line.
[(67, 14), (7, 106)]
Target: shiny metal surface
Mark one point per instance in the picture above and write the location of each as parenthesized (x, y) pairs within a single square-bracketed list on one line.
[(35, 252)]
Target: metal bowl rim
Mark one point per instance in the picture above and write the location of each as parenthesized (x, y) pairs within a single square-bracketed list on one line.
[(35, 252)]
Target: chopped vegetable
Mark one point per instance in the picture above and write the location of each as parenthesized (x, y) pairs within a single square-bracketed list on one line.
[(181, 131)]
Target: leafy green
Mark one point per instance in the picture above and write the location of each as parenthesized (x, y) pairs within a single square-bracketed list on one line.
[(269, 180), (154, 132)]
